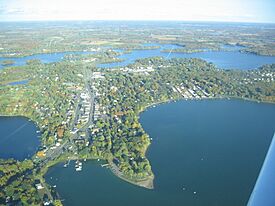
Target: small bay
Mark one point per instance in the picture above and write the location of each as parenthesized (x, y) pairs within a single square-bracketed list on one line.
[(19, 138)]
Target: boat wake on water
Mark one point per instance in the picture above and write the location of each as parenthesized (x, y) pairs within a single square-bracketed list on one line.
[(14, 132), (170, 53)]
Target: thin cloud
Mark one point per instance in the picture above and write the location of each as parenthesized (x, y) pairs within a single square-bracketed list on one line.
[(214, 10)]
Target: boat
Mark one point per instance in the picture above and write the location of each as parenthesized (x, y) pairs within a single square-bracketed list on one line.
[(78, 165), (66, 164)]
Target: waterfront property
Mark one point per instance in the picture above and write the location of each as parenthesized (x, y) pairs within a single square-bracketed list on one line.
[(197, 151), (204, 152)]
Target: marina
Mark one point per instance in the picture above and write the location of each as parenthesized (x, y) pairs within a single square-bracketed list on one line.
[(78, 166)]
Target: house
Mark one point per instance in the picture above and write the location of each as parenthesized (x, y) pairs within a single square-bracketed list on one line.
[(40, 154), (39, 186)]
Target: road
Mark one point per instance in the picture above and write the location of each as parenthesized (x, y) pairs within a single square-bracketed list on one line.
[(87, 78), (55, 152), (58, 150)]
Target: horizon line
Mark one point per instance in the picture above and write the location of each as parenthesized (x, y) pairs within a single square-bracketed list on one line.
[(133, 20)]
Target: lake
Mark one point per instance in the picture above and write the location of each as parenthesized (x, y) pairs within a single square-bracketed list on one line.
[(18, 138), (18, 82), (206, 152), (44, 58), (231, 59)]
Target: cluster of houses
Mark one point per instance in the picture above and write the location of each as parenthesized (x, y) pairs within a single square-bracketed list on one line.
[(192, 91), (138, 69), (42, 192), (82, 117), (97, 75), (260, 76), (98, 109)]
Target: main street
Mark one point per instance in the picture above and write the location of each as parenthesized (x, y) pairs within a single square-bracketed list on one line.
[(69, 144)]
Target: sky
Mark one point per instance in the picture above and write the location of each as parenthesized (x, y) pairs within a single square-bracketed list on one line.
[(188, 10)]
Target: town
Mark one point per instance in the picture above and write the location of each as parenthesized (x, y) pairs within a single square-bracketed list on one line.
[(87, 113)]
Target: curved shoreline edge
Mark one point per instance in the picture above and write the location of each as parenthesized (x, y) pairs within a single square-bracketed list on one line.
[(147, 183)]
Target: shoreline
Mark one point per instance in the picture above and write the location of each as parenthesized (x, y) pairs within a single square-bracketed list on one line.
[(147, 183), (202, 99)]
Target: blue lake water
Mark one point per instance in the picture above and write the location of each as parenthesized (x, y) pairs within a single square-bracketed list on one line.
[(232, 59), (206, 152), (19, 82), (44, 58), (18, 138)]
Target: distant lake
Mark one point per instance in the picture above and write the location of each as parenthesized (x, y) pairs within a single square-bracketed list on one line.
[(44, 58), (18, 138), (19, 82), (206, 152), (231, 59)]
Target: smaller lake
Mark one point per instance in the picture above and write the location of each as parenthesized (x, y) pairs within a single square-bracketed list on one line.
[(18, 82), (230, 59), (44, 58), (18, 138)]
